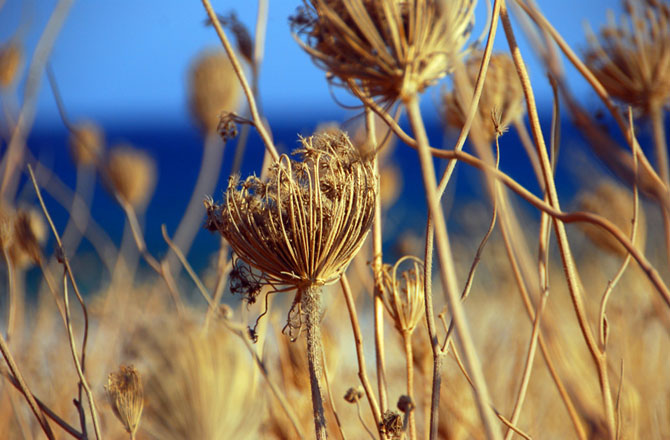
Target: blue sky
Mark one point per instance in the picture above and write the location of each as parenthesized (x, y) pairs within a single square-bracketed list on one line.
[(125, 61)]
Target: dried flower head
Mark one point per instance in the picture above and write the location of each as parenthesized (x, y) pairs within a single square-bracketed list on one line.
[(353, 395), (302, 225), (615, 203), (11, 57), (131, 173), (22, 234), (126, 395), (632, 60), (405, 404), (502, 95), (404, 297), (392, 425), (388, 49), (87, 141), (213, 88)]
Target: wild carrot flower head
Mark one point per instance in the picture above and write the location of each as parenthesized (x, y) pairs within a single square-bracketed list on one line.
[(302, 225), (404, 297), (387, 49), (632, 59), (502, 95), (131, 174), (126, 395)]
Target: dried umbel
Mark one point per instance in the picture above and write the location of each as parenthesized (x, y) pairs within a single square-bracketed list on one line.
[(22, 234), (404, 297), (126, 395), (87, 141), (615, 203), (131, 173), (302, 225), (213, 88), (632, 60), (386, 49), (502, 96), (10, 61)]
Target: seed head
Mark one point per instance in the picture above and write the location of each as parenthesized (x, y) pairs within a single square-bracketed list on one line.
[(389, 49), (615, 203), (632, 59), (502, 95), (392, 425), (213, 88), (11, 57), (353, 395), (302, 225), (404, 298), (131, 173), (126, 395), (87, 141)]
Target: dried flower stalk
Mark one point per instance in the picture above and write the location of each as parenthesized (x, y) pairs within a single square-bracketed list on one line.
[(126, 395)]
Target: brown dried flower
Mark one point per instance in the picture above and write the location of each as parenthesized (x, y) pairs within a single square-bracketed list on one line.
[(632, 60), (502, 95), (126, 395), (131, 173), (302, 225), (404, 298), (386, 49), (213, 88), (353, 395), (392, 425), (87, 141)]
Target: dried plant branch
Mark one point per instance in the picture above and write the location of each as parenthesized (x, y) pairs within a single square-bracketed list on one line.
[(360, 354), (258, 122)]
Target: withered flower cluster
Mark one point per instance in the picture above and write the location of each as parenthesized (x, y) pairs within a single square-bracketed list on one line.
[(404, 295), (386, 49), (302, 225), (632, 60), (502, 96), (126, 395)]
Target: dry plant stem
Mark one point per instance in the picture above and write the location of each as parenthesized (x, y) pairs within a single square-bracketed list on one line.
[(311, 306), (661, 147), (447, 271), (12, 294), (559, 227), (360, 418), (161, 269), (14, 155), (377, 271), (223, 267), (187, 266), (565, 397), (530, 358), (527, 144), (358, 339), (330, 396), (79, 365), (253, 109), (23, 387), (409, 361), (542, 22), (210, 168)]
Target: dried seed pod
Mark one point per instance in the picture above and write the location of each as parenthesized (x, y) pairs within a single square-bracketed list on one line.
[(87, 141), (11, 57), (353, 395), (632, 59), (615, 203), (389, 49), (392, 425), (30, 232), (126, 395), (302, 226), (131, 173), (502, 95), (404, 298), (213, 88)]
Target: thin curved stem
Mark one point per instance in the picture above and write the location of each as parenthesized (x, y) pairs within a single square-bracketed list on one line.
[(311, 306)]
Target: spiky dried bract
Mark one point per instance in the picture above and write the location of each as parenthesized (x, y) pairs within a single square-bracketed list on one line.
[(632, 59), (213, 88), (501, 96), (126, 395), (615, 203), (132, 174), (10, 60), (87, 141), (302, 225), (389, 49), (404, 297)]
